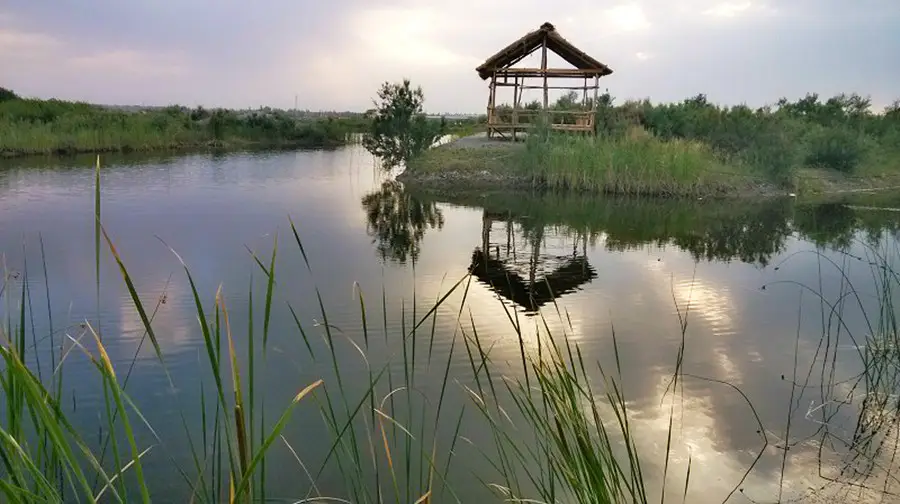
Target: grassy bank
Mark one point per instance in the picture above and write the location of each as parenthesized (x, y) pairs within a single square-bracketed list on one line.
[(29, 127), (558, 428), (698, 148)]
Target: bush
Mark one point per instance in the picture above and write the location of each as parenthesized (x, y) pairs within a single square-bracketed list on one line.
[(7, 95), (838, 148)]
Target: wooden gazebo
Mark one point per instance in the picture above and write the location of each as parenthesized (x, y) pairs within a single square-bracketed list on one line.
[(498, 68)]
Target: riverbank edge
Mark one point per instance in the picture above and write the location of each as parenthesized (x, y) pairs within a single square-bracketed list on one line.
[(180, 148), (469, 164)]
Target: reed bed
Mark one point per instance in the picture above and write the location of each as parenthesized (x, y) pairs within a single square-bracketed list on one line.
[(29, 127), (637, 164)]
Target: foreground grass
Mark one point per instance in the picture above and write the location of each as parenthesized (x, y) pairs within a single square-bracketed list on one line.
[(30, 127), (556, 433)]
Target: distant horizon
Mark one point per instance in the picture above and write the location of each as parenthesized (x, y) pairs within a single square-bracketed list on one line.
[(874, 108)]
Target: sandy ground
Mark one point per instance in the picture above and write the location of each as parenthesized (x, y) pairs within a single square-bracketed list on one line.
[(481, 140)]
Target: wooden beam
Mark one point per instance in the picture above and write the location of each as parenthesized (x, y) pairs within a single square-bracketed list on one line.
[(552, 72), (523, 126), (527, 112), (579, 88)]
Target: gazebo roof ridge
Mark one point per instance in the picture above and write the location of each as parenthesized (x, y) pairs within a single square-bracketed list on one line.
[(531, 41)]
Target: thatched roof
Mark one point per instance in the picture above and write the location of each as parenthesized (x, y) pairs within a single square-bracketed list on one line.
[(515, 52), (531, 295)]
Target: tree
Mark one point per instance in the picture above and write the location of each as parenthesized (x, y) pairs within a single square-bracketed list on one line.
[(7, 95), (399, 128)]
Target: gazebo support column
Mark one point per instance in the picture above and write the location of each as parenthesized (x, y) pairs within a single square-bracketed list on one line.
[(544, 72)]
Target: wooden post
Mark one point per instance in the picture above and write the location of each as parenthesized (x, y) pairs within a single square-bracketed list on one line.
[(490, 118), (594, 106), (486, 224), (515, 110), (544, 70), (584, 97)]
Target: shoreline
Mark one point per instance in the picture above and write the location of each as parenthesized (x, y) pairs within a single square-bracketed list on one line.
[(175, 149), (489, 165)]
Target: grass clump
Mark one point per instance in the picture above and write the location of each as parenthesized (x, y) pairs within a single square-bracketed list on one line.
[(638, 163), (449, 158)]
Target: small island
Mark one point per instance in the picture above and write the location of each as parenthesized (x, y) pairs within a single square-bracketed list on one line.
[(694, 148)]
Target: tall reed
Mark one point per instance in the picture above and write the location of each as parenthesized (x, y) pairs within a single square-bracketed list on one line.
[(636, 164)]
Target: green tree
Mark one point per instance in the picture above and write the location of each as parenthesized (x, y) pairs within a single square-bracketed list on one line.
[(399, 128), (7, 95)]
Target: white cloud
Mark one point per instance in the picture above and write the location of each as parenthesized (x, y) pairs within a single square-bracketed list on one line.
[(736, 9), (626, 18), (402, 36), (643, 56)]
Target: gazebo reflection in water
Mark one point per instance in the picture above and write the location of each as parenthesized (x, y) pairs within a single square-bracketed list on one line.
[(547, 266)]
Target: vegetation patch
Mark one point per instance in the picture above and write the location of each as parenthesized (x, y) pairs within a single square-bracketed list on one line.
[(696, 148), (30, 126), (634, 164)]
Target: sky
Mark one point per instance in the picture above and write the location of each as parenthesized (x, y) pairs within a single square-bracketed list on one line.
[(333, 55)]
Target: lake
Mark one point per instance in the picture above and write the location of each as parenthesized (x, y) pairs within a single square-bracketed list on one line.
[(767, 312)]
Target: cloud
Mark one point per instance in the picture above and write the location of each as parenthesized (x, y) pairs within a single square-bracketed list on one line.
[(333, 55), (13, 42), (736, 9), (626, 18)]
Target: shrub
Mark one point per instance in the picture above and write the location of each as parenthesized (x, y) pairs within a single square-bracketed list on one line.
[(837, 147), (7, 95)]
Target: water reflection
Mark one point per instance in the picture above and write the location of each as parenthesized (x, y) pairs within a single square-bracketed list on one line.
[(397, 221), (749, 231), (534, 247), (528, 277)]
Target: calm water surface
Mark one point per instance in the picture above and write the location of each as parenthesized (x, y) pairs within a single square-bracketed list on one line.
[(744, 276)]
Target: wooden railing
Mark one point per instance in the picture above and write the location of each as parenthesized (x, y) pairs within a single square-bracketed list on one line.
[(572, 120)]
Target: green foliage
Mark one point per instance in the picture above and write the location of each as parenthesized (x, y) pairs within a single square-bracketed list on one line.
[(838, 147), (55, 126), (636, 164), (399, 128), (841, 133), (7, 95)]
